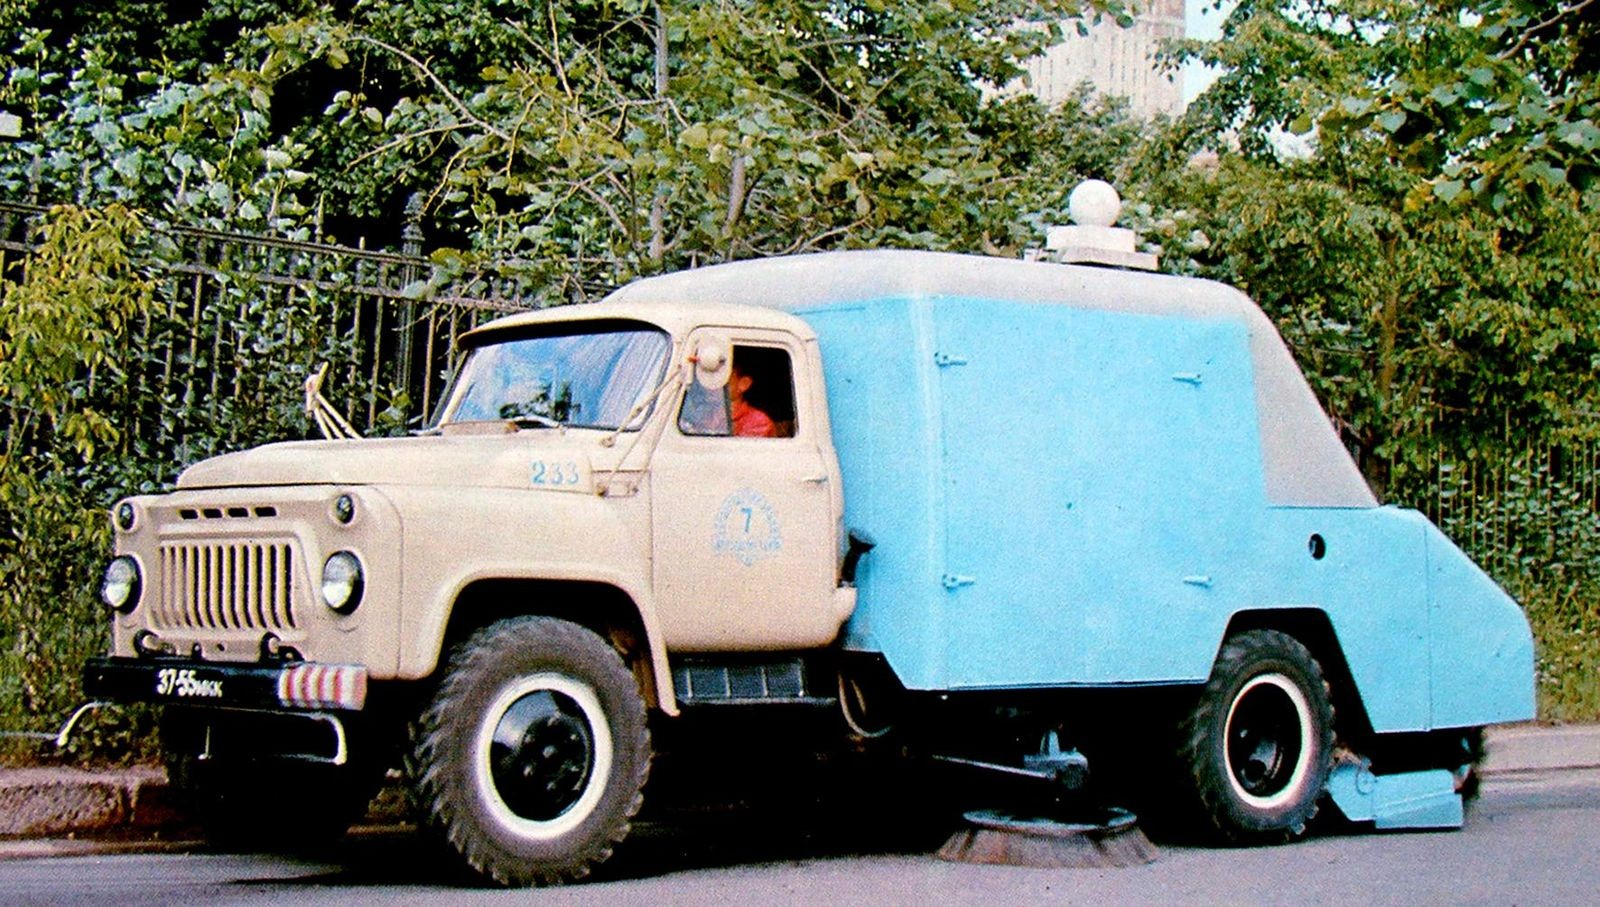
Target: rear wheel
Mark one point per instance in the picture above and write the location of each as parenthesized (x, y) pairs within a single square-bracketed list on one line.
[(531, 757), (1257, 748)]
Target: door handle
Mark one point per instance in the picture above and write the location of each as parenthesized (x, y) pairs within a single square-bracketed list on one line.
[(814, 480)]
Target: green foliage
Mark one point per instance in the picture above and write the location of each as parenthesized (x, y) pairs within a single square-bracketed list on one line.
[(621, 138), (62, 329), (1566, 631), (1490, 99)]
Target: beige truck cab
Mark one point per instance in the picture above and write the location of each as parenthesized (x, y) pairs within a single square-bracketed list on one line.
[(586, 503)]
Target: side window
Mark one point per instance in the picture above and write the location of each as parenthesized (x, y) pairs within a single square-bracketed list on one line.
[(758, 401)]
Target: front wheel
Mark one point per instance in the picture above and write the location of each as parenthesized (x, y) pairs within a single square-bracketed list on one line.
[(1257, 748), (531, 757)]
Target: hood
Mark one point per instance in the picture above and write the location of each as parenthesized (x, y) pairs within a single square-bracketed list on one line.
[(475, 461)]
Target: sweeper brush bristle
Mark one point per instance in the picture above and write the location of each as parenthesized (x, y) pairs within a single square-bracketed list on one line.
[(1002, 839)]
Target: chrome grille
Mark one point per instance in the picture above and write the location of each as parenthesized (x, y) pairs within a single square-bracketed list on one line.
[(226, 585)]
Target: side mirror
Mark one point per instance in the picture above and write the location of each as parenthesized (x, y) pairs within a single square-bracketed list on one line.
[(713, 361)]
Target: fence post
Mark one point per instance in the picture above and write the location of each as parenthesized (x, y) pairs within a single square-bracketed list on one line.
[(411, 246)]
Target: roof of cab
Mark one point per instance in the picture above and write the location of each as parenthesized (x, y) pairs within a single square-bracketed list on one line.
[(677, 319)]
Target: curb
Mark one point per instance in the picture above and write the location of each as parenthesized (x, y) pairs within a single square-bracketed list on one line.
[(116, 807), (45, 802)]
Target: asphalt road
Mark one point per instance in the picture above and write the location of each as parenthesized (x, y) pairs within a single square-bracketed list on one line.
[(1530, 839)]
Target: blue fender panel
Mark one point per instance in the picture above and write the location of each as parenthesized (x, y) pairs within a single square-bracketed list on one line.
[(1371, 582), (1426, 799), (1482, 646)]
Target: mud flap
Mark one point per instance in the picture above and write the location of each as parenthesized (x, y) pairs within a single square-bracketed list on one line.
[(1425, 799)]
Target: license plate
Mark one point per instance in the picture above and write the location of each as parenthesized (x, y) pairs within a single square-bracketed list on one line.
[(187, 683)]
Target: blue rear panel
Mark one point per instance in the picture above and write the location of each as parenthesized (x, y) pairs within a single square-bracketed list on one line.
[(1065, 496)]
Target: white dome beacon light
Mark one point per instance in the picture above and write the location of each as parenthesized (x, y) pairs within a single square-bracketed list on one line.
[(1092, 237)]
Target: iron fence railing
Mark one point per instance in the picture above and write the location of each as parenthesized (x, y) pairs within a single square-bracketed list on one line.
[(242, 318), (1519, 503)]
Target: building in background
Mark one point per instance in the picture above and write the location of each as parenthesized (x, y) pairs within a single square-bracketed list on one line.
[(1118, 62)]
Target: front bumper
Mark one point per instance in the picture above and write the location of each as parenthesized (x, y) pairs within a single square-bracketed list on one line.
[(175, 681)]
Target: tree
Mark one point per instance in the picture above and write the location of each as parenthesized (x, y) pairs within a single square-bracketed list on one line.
[(651, 136), (622, 137), (1489, 99)]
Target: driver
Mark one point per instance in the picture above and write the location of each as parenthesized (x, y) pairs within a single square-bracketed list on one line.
[(748, 422)]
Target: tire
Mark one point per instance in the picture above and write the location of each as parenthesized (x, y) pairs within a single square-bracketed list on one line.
[(530, 759), (1258, 746)]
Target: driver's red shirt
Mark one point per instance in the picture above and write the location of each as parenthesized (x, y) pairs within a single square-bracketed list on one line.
[(749, 422)]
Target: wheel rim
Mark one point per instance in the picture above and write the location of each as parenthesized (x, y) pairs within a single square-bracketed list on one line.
[(542, 755), (1268, 748)]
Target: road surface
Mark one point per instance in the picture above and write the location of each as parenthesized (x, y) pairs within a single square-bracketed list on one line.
[(1530, 839)]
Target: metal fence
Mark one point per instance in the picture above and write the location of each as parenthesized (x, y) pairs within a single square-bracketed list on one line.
[(243, 318), (1520, 505)]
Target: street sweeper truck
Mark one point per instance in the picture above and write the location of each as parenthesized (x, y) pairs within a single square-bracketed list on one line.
[(1079, 522)]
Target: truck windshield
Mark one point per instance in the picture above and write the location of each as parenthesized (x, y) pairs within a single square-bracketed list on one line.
[(583, 378)]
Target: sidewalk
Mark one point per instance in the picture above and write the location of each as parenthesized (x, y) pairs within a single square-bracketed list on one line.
[(55, 803), (1532, 748)]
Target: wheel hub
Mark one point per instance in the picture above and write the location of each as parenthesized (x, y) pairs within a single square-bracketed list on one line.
[(541, 755), (1264, 740)]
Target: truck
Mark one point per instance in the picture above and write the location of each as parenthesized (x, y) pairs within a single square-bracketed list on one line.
[(1083, 523)]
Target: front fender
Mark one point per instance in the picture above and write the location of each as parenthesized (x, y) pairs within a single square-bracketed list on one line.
[(454, 537)]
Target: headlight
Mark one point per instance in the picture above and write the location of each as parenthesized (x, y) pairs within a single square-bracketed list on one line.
[(342, 582), (120, 588)]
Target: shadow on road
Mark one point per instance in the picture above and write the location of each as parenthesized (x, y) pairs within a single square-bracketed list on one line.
[(708, 815), (709, 823)]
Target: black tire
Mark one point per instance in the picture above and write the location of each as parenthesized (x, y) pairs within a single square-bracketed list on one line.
[(1258, 746), (530, 759)]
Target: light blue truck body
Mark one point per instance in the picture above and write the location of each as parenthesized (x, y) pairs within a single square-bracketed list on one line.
[(1082, 477)]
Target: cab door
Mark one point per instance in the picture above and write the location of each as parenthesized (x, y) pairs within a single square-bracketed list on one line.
[(745, 526)]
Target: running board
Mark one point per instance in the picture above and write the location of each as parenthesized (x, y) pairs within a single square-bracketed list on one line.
[(1426, 799)]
